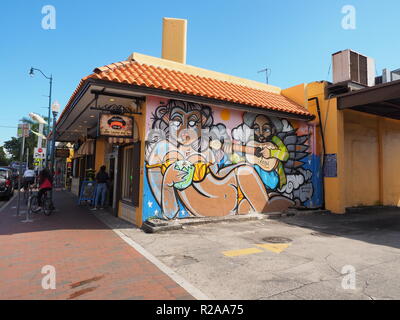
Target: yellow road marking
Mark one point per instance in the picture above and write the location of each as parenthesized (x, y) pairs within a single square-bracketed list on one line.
[(274, 247), (240, 252)]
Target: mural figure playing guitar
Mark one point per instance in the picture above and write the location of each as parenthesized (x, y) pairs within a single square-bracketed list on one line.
[(271, 152)]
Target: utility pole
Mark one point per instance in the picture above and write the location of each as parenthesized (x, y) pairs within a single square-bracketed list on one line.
[(267, 73), (23, 131)]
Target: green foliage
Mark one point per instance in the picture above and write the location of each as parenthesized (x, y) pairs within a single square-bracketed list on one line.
[(13, 146), (4, 160)]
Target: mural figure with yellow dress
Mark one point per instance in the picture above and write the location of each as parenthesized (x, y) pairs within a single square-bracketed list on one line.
[(182, 167)]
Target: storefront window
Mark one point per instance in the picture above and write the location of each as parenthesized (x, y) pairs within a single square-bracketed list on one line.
[(131, 174), (127, 174)]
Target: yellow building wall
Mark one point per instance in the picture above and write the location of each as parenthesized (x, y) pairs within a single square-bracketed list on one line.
[(362, 168), (129, 213), (100, 152), (391, 164), (297, 94), (332, 125), (372, 159), (367, 149)]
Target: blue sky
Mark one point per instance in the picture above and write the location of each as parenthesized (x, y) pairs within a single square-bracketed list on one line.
[(293, 38)]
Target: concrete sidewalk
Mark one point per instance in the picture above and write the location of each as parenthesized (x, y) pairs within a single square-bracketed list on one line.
[(297, 257), (90, 260)]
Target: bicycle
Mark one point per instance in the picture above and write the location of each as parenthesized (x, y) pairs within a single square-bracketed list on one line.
[(47, 204), (28, 193)]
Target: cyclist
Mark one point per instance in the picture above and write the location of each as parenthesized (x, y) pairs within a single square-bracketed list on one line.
[(45, 185), (29, 178)]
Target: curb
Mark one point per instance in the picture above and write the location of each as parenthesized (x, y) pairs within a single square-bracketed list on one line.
[(192, 290), (8, 203), (159, 225)]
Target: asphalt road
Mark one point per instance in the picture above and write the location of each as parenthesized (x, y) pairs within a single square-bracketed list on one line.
[(300, 257)]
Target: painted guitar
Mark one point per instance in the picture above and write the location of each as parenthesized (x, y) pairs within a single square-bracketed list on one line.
[(253, 152)]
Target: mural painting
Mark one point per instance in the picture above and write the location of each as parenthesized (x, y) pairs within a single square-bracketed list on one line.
[(208, 161)]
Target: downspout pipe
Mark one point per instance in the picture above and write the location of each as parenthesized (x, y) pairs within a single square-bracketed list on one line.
[(323, 149)]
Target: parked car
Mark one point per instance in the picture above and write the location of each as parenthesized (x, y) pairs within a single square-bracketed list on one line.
[(6, 183), (15, 178)]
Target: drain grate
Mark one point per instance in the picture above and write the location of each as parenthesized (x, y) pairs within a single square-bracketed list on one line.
[(276, 240)]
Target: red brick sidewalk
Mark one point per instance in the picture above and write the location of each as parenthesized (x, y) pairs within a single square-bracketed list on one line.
[(90, 260)]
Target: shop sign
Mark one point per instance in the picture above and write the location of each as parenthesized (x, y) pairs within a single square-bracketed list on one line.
[(115, 125), (88, 191), (62, 153)]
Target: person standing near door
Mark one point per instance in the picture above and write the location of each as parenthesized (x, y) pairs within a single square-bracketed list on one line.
[(102, 179)]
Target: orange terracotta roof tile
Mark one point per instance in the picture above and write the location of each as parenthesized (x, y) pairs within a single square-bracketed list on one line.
[(135, 73)]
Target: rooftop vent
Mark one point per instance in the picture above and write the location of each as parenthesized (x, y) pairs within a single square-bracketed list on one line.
[(388, 76)]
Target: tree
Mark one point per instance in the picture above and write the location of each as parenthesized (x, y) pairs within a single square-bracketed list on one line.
[(4, 160), (14, 145)]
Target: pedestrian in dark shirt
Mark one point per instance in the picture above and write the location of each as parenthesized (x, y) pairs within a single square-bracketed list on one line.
[(101, 189)]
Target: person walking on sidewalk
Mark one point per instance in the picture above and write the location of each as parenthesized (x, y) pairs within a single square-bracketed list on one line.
[(101, 189)]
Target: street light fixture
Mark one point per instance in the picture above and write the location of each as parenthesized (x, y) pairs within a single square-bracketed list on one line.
[(32, 73), (55, 107)]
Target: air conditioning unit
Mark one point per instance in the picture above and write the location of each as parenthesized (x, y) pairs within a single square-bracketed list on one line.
[(396, 75), (349, 65)]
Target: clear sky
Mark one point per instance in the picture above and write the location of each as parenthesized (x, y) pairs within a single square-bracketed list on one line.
[(293, 38)]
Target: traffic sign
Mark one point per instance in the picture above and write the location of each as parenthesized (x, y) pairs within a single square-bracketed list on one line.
[(39, 153), (23, 130)]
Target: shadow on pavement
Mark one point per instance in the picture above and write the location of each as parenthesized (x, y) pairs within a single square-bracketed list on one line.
[(377, 226), (68, 216)]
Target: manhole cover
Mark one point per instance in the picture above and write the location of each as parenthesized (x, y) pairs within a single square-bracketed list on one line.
[(323, 234), (276, 240)]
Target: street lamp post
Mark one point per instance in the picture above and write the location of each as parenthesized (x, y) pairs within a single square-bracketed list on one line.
[(55, 108), (32, 73)]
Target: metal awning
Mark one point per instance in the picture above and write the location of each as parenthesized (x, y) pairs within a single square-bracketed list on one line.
[(382, 100), (86, 149), (81, 120)]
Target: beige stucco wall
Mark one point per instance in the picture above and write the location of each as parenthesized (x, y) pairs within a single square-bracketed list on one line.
[(391, 162), (361, 159), (372, 153)]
